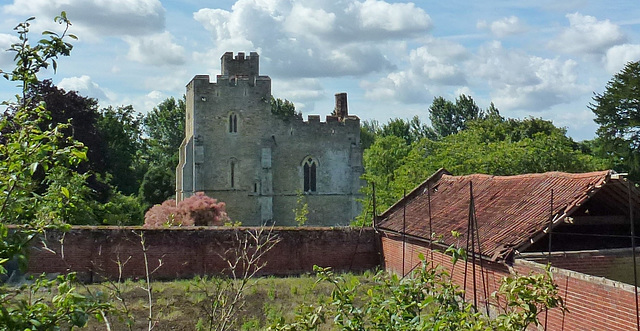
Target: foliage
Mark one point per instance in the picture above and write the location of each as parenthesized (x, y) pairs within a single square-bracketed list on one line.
[(448, 118), (164, 126), (81, 113), (380, 162), (494, 145), (121, 132), (425, 300), (526, 297), (158, 184), (302, 209), (31, 58), (284, 109), (38, 190), (47, 305), (410, 130), (617, 112), (197, 210), (119, 210), (222, 302)]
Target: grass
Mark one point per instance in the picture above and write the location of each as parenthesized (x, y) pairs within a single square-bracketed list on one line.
[(182, 304)]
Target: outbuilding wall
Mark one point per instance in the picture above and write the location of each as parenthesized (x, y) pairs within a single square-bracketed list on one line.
[(593, 303)]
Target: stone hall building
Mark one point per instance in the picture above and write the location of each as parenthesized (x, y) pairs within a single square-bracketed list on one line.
[(235, 150)]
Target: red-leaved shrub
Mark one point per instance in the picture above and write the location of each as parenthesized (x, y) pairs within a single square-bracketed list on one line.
[(198, 209)]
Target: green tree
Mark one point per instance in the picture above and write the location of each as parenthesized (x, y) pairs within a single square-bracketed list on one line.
[(284, 109), (121, 131), (448, 118), (380, 162), (38, 190), (81, 113), (494, 145), (165, 126), (617, 112)]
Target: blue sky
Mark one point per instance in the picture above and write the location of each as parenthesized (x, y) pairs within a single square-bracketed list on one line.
[(542, 59)]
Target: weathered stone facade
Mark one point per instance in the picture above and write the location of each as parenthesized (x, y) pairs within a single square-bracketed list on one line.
[(237, 151)]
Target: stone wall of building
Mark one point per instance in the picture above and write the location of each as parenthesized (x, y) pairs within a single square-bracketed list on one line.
[(237, 151)]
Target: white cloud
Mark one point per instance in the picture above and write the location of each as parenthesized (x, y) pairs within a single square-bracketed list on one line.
[(158, 49), (98, 17), (84, 86), (586, 34), (6, 58), (504, 27), (172, 81), (303, 92), (303, 89), (319, 39), (437, 62), (617, 56), (522, 81), (386, 18)]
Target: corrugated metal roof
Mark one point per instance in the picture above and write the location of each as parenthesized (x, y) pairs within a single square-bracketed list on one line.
[(511, 211)]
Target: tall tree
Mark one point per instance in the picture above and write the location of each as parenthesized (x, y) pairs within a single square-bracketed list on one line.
[(165, 126), (81, 113), (448, 118), (617, 112), (121, 130)]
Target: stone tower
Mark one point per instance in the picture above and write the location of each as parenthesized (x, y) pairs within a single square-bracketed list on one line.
[(237, 151)]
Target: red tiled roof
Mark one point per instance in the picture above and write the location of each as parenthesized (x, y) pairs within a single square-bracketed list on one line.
[(510, 210)]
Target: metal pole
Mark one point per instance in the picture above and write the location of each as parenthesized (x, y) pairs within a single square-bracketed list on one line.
[(473, 251), (373, 185), (485, 287), (430, 222), (546, 310), (633, 252), (550, 227), (404, 228)]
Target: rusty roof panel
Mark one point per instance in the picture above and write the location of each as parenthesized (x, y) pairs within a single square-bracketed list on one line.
[(510, 210)]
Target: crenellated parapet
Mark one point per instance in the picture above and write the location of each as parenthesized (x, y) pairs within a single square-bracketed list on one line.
[(236, 150)]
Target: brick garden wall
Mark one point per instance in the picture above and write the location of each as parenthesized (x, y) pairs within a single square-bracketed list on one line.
[(96, 252), (593, 303)]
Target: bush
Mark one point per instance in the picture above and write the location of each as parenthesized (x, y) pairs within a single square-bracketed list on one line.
[(197, 210)]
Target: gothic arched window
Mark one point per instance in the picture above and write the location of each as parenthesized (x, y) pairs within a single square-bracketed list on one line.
[(233, 123), (309, 167)]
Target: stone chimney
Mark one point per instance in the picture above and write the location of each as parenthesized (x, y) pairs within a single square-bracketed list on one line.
[(341, 110)]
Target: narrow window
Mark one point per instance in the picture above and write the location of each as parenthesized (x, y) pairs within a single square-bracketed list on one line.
[(233, 123), (309, 169), (233, 174)]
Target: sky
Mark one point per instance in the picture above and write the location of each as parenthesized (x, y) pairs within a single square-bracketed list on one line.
[(541, 58)]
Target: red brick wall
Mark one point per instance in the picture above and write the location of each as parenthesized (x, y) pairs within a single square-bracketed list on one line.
[(94, 252), (593, 303), (614, 264)]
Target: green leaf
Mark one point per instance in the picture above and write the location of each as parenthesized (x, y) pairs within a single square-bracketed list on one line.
[(33, 168), (65, 192)]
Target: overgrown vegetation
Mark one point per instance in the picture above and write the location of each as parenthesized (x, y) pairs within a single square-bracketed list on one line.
[(39, 190), (426, 300)]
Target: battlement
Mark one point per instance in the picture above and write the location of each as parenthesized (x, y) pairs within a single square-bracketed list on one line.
[(340, 115), (240, 65), (332, 121)]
